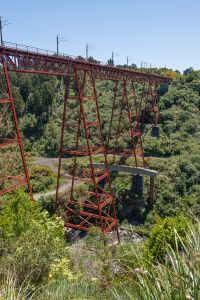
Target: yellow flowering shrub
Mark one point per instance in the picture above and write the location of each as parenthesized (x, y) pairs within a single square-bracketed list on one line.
[(60, 268)]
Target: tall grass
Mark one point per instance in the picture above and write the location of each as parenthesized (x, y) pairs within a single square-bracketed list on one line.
[(178, 277), (9, 289), (127, 275), (65, 290)]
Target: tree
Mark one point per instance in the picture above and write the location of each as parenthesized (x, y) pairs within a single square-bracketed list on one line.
[(188, 71), (19, 102)]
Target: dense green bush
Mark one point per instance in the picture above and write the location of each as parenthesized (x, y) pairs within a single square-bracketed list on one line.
[(177, 278), (122, 272), (30, 240), (166, 233), (48, 203), (38, 265), (41, 178)]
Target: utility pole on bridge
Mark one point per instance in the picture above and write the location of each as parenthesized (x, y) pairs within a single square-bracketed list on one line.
[(87, 48), (2, 24), (128, 59), (58, 40), (112, 57), (1, 31)]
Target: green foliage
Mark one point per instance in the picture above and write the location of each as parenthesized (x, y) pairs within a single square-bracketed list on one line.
[(48, 204), (51, 138), (41, 178), (9, 289), (175, 278), (165, 234), (31, 240), (29, 125), (60, 269), (19, 103), (68, 290), (130, 276), (16, 216), (39, 266)]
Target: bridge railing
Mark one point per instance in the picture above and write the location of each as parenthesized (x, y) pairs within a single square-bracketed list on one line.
[(36, 50)]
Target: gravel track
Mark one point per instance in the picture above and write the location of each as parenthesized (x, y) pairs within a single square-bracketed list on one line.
[(52, 163)]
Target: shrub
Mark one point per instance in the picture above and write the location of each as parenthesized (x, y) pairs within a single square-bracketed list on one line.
[(48, 203), (41, 178), (176, 278), (32, 240), (163, 234), (17, 215), (60, 269)]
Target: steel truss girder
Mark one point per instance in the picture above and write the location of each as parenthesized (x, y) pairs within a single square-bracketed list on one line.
[(30, 62), (16, 181)]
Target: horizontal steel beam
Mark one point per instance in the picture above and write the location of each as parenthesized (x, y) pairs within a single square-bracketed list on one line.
[(34, 62), (127, 169)]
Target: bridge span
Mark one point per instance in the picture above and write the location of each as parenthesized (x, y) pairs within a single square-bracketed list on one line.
[(138, 106)]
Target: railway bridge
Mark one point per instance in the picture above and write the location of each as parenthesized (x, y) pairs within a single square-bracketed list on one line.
[(135, 102)]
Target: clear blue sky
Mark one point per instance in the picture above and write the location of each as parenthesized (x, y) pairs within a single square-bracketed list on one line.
[(162, 33)]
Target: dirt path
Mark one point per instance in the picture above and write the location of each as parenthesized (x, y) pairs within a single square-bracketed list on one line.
[(52, 163)]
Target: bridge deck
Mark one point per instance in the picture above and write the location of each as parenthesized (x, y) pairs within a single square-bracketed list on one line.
[(127, 169), (33, 60)]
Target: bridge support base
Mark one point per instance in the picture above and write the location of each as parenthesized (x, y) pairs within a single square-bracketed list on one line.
[(151, 192), (138, 184)]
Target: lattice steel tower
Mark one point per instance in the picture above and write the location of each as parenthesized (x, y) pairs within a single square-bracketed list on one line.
[(13, 175)]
